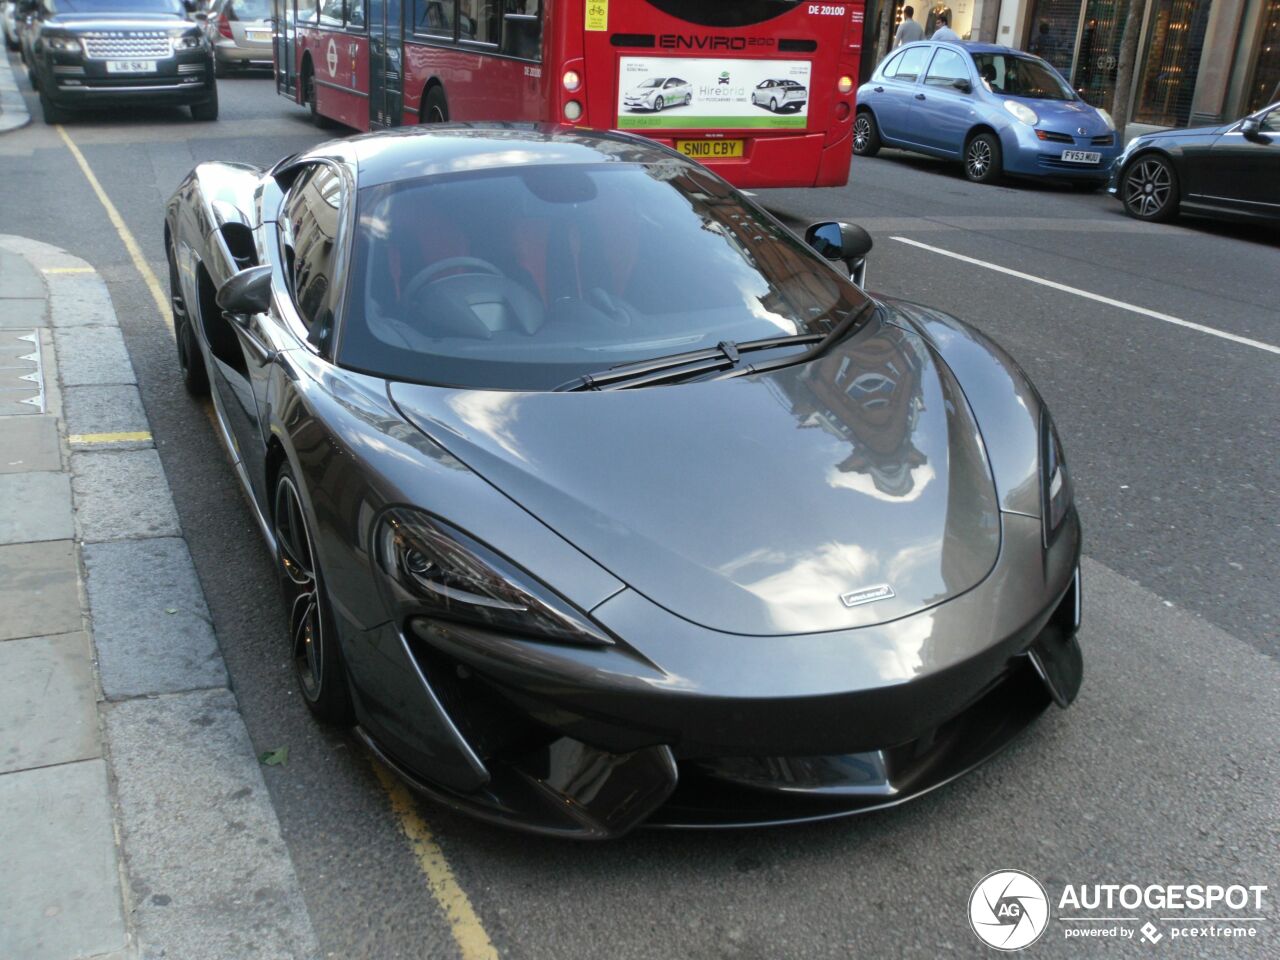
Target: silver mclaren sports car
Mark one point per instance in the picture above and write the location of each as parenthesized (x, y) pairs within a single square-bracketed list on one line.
[(599, 498)]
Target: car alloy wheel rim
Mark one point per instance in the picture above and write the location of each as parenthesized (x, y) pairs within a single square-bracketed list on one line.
[(861, 133), (979, 158), (1147, 188), (302, 588), (658, 105)]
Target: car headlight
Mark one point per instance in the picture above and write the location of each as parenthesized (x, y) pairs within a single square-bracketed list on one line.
[(63, 44), (188, 42), (1022, 112), (1055, 484), (436, 571), (1106, 118)]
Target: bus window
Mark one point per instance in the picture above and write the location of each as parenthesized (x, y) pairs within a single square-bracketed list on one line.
[(522, 29), (718, 13), (355, 14), (434, 17), (306, 11), (331, 13), (479, 21)]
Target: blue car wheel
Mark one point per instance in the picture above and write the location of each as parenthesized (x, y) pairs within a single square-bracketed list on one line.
[(866, 135), (983, 162)]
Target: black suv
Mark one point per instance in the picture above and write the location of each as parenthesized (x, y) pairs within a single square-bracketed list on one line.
[(89, 53)]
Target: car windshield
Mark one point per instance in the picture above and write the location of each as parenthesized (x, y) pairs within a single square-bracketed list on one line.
[(250, 9), (655, 82), (524, 279), (1016, 76), (174, 7)]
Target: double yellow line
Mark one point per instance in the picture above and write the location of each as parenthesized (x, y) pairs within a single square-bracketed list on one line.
[(468, 932)]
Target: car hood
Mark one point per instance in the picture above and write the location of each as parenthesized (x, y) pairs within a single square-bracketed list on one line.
[(1066, 114), (778, 503), (118, 21)]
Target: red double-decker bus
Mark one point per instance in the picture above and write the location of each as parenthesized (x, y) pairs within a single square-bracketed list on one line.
[(759, 90)]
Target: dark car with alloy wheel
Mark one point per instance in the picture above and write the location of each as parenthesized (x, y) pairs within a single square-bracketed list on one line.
[(89, 54), (600, 498), (1229, 171)]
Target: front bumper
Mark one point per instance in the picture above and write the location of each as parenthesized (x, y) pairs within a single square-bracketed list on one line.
[(1028, 156), (77, 83), (705, 729)]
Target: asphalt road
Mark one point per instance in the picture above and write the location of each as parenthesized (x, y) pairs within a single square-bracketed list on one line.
[(1165, 770)]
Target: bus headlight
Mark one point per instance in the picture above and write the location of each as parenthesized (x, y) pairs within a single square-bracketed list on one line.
[(845, 84), (573, 110), (572, 80)]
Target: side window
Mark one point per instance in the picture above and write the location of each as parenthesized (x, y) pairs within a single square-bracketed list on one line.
[(912, 64), (891, 66), (947, 66), (355, 14), (434, 17), (522, 29), (310, 228), (480, 21), (307, 11), (331, 12)]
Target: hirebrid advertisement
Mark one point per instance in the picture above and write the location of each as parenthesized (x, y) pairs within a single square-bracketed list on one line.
[(712, 93)]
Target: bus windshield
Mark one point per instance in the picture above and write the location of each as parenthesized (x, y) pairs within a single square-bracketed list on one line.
[(721, 13), (525, 279)]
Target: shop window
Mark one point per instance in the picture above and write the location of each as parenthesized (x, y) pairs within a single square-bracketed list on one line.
[(1099, 52), (1053, 32), (1264, 88), (1175, 40)]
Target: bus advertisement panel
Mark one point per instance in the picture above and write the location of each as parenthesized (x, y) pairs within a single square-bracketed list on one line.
[(759, 90)]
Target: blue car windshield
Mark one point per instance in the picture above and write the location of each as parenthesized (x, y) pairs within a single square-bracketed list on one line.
[(1020, 76), (522, 278)]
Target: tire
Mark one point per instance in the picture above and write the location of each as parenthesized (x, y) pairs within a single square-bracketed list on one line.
[(51, 111), (688, 99), (983, 162), (313, 644), (435, 108), (318, 120), (866, 134), (658, 105), (208, 110), (1149, 189), (773, 104), (195, 376)]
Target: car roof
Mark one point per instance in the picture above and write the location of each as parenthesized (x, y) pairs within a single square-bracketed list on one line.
[(407, 153), (972, 47)]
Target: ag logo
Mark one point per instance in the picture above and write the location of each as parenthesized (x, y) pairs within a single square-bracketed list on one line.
[(331, 58), (1008, 910)]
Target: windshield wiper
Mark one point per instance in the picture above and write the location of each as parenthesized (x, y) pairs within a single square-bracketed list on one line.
[(677, 366), (724, 357)]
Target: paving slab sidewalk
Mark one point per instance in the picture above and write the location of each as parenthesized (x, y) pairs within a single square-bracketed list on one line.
[(123, 755)]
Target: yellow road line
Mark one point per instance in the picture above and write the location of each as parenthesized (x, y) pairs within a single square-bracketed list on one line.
[(117, 221), (82, 439), (468, 932), (67, 270)]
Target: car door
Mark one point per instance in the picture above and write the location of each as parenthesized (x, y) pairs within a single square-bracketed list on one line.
[(943, 113), (1243, 172), (895, 103)]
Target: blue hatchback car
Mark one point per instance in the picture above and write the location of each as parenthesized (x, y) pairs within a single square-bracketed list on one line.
[(999, 110)]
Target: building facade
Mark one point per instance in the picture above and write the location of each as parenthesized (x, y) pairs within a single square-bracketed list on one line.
[(1199, 61)]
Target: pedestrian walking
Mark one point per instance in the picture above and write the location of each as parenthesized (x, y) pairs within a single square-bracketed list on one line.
[(944, 31), (909, 31)]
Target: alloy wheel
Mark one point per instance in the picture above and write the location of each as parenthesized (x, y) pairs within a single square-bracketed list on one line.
[(302, 588), (861, 133), (1148, 187), (658, 105), (978, 159)]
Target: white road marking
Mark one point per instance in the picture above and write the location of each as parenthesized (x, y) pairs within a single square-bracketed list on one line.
[(1097, 297)]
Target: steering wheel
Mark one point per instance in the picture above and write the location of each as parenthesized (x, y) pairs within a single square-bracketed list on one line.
[(469, 266)]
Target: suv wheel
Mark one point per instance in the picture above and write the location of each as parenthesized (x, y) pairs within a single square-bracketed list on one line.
[(207, 110), (51, 111)]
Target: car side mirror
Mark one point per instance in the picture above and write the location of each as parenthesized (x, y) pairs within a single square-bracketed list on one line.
[(963, 85), (838, 240), (246, 293), (1251, 128)]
